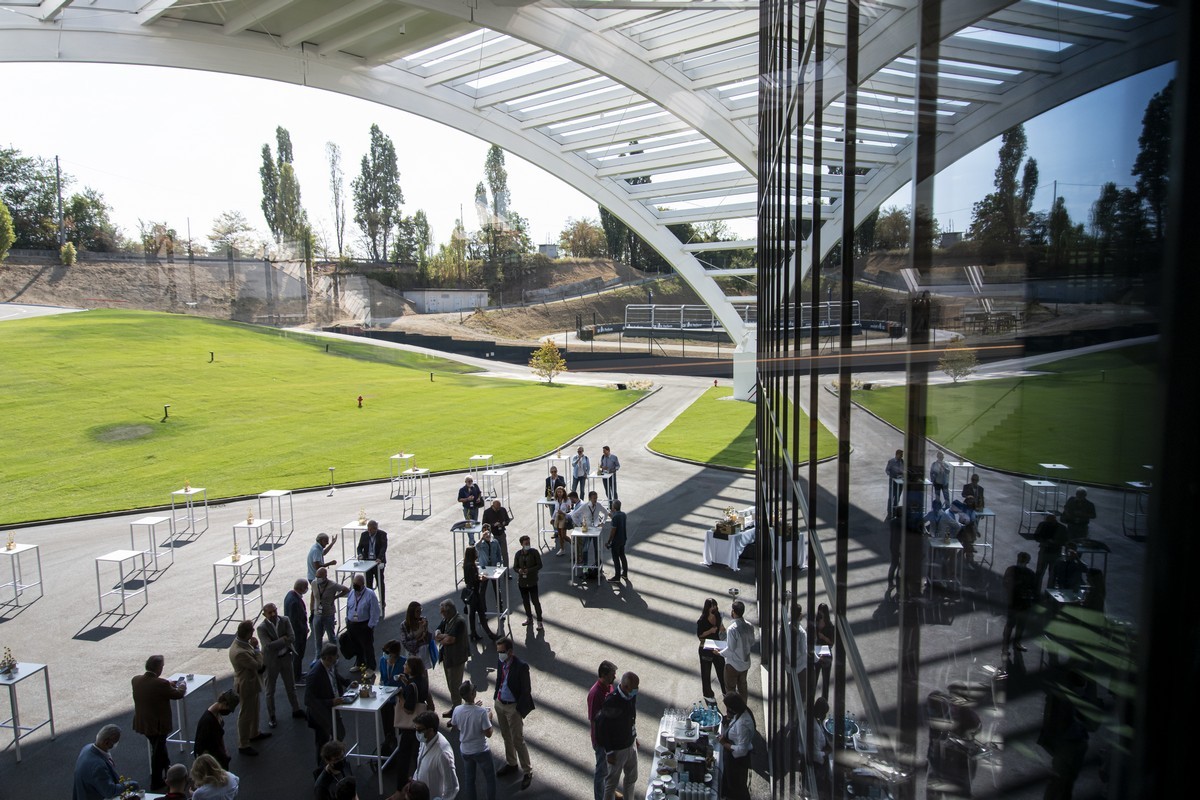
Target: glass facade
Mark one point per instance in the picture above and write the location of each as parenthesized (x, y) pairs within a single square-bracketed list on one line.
[(992, 187)]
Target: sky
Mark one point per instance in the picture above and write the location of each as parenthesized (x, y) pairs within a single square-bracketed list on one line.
[(183, 146)]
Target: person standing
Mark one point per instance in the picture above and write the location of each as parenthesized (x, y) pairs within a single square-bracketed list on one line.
[(609, 464), (323, 687), (514, 702), (296, 611), (737, 737), (96, 778), (210, 730), (1077, 513), (317, 553), (473, 596), (362, 615), (1021, 587), (710, 626), (474, 725), (1050, 535), (528, 563), (894, 470), (496, 517), (617, 537), (372, 546), (470, 498), (490, 554), (617, 734), (247, 661), (451, 637), (278, 646), (589, 516), (595, 702), (325, 595), (740, 638), (435, 759), (581, 466), (553, 481), (152, 696), (939, 476), (974, 490)]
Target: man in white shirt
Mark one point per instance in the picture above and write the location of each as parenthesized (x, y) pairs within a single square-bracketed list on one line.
[(739, 638), (362, 615), (609, 464), (592, 516), (474, 725), (435, 759)]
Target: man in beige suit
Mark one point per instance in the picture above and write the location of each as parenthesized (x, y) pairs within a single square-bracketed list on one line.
[(278, 641), (247, 661)]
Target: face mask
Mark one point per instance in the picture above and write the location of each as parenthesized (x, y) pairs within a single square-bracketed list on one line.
[(503, 657), (633, 693), (526, 548)]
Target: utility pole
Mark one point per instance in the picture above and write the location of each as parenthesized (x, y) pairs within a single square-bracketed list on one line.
[(62, 233)]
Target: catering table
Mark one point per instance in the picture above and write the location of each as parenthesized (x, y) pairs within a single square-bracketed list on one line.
[(463, 532), (499, 605), (664, 764), (13, 723), (194, 684), (351, 531), (726, 552), (545, 516), (585, 554), (241, 570), (941, 551), (372, 706)]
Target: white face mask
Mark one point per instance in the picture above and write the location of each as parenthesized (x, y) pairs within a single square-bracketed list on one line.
[(503, 657)]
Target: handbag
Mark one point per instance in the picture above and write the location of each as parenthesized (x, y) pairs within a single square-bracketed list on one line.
[(433, 654), (468, 595), (346, 645), (404, 720)]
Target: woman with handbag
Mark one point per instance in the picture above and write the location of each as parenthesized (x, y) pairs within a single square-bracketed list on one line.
[(473, 596), (414, 698), (391, 667), (710, 626)]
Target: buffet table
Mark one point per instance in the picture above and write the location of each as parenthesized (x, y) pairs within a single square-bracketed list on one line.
[(726, 551), (687, 759)]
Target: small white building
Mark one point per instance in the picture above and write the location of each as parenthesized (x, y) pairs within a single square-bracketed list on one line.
[(548, 250), (436, 301)]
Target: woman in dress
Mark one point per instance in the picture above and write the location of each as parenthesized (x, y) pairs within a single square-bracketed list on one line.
[(414, 635), (710, 626), (212, 782), (391, 667), (562, 508)]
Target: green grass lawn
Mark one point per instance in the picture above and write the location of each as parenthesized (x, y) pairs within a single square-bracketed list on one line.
[(716, 431), (1086, 412), (81, 411)]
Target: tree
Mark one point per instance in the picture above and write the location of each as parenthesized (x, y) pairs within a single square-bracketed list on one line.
[(158, 238), (268, 174), (377, 194), (958, 362), (337, 186), (1154, 151), (7, 234), (85, 218), (893, 228), (583, 238), (546, 361), (290, 217), (231, 231), (1000, 219), (27, 187), (424, 235), (283, 143)]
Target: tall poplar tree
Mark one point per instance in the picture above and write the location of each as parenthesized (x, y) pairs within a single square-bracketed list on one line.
[(377, 194)]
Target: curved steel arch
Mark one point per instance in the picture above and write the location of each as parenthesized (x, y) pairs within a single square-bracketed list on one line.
[(160, 33)]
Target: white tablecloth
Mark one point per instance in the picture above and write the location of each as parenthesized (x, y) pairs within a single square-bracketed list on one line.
[(726, 551)]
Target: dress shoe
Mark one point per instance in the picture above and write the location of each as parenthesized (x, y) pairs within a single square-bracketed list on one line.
[(298, 714), (247, 751), (258, 737), (507, 769), (527, 623), (615, 579), (528, 779), (271, 722)]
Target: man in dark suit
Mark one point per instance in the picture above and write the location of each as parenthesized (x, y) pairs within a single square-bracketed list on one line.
[(210, 730), (296, 611), (372, 546), (323, 688), (554, 481), (152, 696), (514, 701), (95, 775)]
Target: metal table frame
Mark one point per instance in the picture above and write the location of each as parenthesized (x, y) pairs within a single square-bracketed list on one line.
[(241, 569), (1034, 496), (179, 736), (351, 530), (13, 723), (284, 526), (189, 511), (256, 537), (151, 525), (545, 521), (119, 557), (373, 706), (1133, 523), (18, 578), (495, 576), (580, 563)]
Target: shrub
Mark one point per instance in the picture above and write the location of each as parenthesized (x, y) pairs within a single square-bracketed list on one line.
[(67, 254)]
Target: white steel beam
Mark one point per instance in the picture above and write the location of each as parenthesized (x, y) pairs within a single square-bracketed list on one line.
[(256, 13), (49, 9), (152, 11), (326, 22), (394, 20)]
